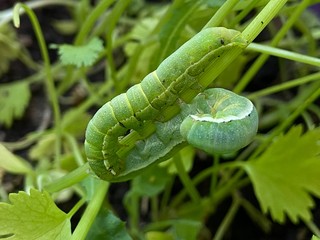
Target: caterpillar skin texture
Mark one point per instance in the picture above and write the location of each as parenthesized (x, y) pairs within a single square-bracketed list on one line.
[(170, 136), (146, 101), (225, 122)]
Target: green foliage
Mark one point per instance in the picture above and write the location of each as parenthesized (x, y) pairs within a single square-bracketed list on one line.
[(14, 99), (286, 173), (115, 45), (33, 216), (80, 56)]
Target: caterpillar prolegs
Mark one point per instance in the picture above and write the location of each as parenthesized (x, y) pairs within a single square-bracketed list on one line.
[(146, 101)]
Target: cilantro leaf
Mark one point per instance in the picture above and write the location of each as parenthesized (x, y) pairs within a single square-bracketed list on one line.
[(287, 173), (33, 216), (79, 56), (14, 99)]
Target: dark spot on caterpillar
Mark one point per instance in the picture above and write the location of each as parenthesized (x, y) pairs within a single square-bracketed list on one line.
[(222, 41), (218, 56), (262, 22)]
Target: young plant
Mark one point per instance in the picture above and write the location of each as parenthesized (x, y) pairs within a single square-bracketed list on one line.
[(141, 134)]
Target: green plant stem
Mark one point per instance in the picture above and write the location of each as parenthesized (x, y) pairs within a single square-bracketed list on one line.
[(91, 19), (76, 207), (47, 65), (313, 228), (154, 200), (68, 180), (91, 212), (75, 149), (214, 176), (221, 14), (250, 33), (184, 177), (228, 219), (113, 19), (133, 212), (244, 12), (284, 54), (234, 181), (283, 86)]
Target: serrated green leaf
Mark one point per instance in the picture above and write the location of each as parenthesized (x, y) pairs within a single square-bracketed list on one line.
[(13, 163), (33, 216), (108, 226), (287, 173), (79, 56), (14, 99)]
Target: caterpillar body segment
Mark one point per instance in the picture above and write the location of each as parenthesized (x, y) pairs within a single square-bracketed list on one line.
[(146, 101), (225, 122)]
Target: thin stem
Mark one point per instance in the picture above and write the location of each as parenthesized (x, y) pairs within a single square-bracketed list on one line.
[(75, 149), (76, 207), (214, 176), (224, 226), (284, 86), (221, 14), (91, 212), (91, 19), (313, 228), (284, 54), (47, 65), (68, 180), (193, 193), (250, 33), (113, 19)]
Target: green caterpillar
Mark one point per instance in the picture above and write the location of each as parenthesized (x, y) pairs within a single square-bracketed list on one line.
[(146, 101)]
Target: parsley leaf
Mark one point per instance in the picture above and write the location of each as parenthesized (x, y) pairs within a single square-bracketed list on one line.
[(79, 56), (14, 99), (287, 173), (33, 216)]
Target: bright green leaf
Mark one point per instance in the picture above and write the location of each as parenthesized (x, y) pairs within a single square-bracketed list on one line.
[(108, 226), (287, 173), (14, 99), (315, 238), (12, 163), (79, 56), (33, 216)]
